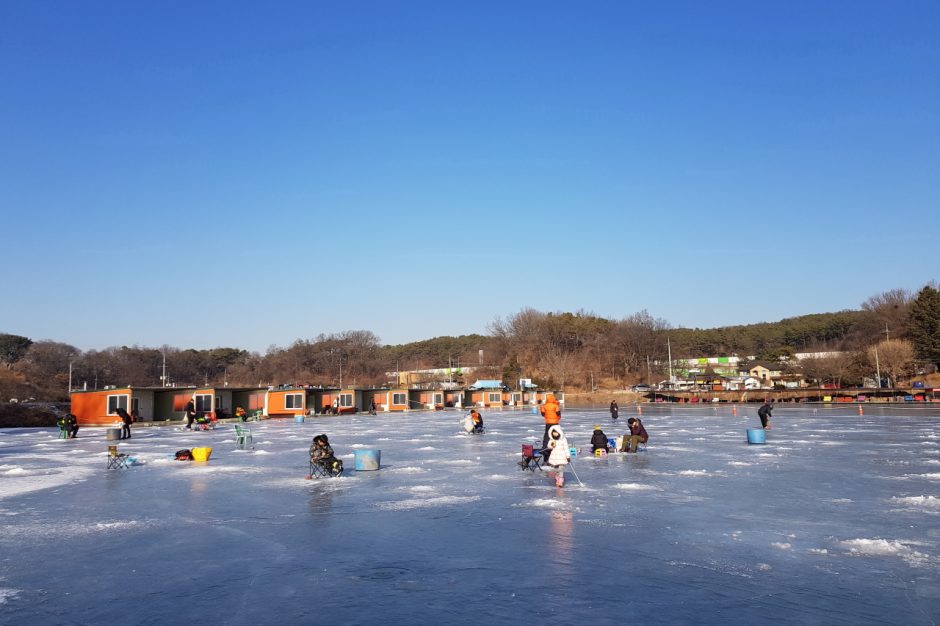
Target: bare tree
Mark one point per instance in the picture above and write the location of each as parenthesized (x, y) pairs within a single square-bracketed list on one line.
[(895, 357)]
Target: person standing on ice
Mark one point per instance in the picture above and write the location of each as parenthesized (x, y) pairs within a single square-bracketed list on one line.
[(190, 414), (551, 411), (560, 453), (614, 410), (126, 419), (764, 413)]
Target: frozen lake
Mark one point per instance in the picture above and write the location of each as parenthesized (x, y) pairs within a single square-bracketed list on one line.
[(835, 520)]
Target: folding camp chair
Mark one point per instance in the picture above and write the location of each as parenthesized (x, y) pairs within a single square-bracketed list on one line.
[(116, 460), (321, 469), (63, 431), (532, 459), (243, 436)]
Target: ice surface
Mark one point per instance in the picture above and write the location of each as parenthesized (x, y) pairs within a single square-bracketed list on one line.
[(835, 520)]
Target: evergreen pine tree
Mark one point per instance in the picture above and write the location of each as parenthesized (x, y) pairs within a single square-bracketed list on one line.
[(925, 325)]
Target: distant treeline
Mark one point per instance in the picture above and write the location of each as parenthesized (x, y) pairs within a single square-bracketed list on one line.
[(569, 350)]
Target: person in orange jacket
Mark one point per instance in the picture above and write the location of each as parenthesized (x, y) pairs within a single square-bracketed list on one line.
[(551, 411)]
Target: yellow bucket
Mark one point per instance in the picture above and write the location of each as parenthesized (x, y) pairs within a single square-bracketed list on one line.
[(201, 454)]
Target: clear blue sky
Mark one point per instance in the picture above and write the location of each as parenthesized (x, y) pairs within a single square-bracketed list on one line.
[(246, 174)]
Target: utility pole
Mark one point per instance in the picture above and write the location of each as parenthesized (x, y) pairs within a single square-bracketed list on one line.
[(70, 376), (887, 335), (649, 376), (672, 378), (877, 368)]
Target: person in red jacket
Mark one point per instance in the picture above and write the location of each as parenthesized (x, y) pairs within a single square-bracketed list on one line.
[(551, 411)]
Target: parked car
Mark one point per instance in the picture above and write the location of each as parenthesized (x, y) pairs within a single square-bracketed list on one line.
[(641, 388)]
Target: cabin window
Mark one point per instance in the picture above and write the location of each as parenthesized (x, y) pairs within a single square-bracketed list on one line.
[(346, 400), (294, 401), (495, 397), (115, 403), (203, 402), (438, 398), (399, 398)]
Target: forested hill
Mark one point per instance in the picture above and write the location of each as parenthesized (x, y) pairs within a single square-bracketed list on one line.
[(555, 349), (819, 331)]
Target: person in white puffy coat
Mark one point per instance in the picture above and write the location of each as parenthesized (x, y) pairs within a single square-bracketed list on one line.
[(560, 454)]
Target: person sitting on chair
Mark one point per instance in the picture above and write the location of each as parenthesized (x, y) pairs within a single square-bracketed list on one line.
[(321, 453), (637, 435), (70, 424), (599, 440), (477, 421), (126, 419), (241, 414)]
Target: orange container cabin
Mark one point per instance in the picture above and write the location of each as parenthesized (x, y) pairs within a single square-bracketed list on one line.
[(397, 400), (286, 402), (99, 407), (349, 400), (427, 399)]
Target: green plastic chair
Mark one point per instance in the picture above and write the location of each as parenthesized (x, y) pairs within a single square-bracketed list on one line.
[(242, 436), (63, 432)]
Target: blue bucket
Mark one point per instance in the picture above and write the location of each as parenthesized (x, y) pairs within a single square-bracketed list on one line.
[(299, 419), (368, 459), (756, 435), (535, 410)]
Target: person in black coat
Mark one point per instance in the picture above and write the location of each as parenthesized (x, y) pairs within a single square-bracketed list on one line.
[(599, 440), (190, 414), (764, 413), (126, 418)]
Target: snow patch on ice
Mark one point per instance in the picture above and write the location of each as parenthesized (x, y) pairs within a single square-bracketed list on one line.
[(886, 547), (16, 483), (418, 489), (693, 473), (7, 594), (740, 463), (929, 476), (426, 503), (636, 487), (819, 551), (544, 503), (206, 468), (427, 448), (408, 470), (930, 503), (781, 545)]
